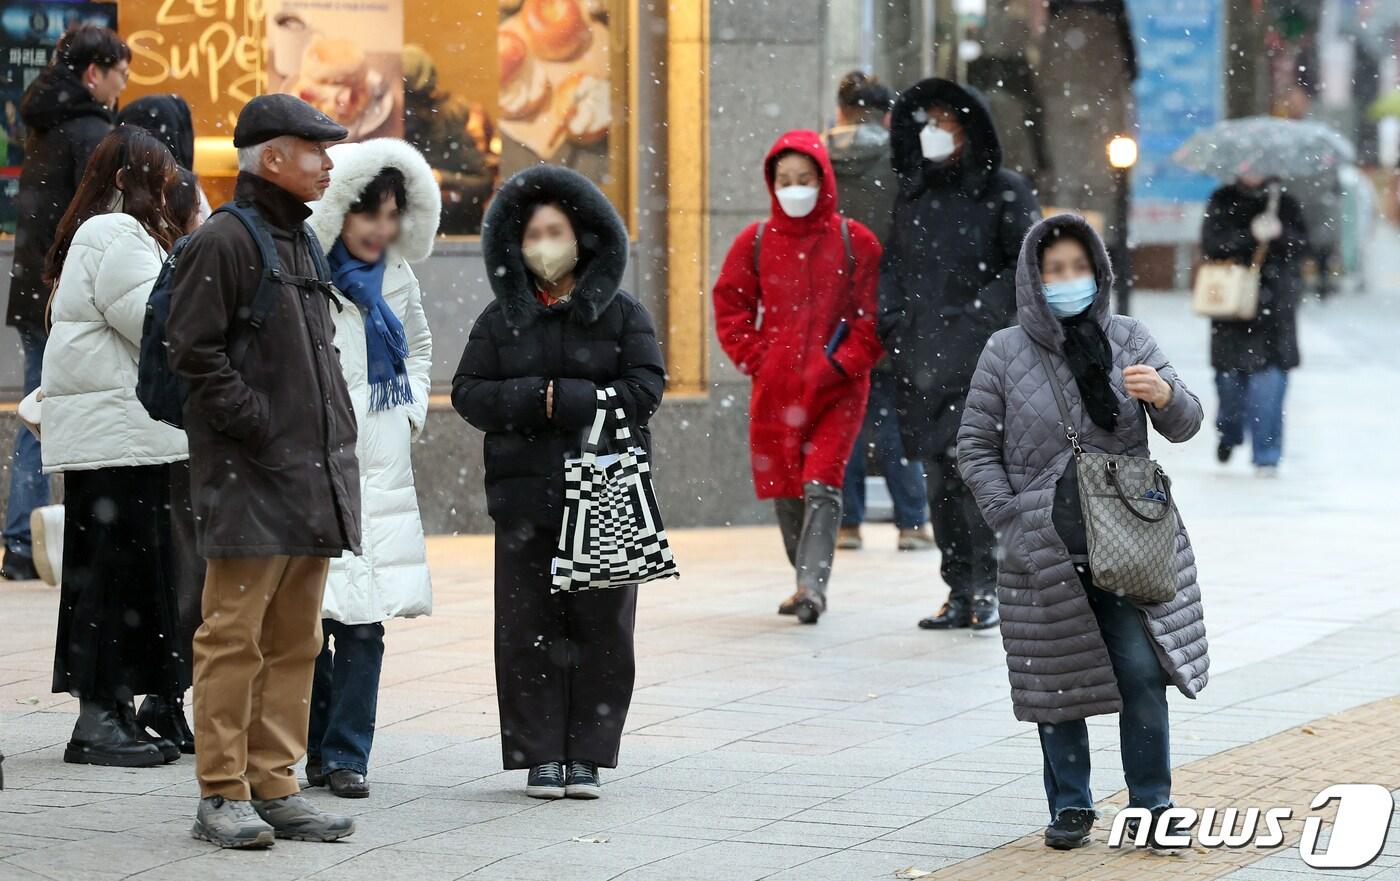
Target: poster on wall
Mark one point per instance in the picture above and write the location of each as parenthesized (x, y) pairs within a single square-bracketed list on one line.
[(342, 56), (1179, 90), (29, 31), (556, 94)]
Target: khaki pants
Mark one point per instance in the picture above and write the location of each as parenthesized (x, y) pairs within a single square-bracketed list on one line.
[(254, 658)]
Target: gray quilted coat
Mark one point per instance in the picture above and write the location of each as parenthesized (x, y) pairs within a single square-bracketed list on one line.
[(1012, 451)]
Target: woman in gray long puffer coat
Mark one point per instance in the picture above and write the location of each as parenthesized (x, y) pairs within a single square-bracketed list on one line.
[(1074, 650)]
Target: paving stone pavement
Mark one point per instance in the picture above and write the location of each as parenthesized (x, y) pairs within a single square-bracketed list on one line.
[(760, 749)]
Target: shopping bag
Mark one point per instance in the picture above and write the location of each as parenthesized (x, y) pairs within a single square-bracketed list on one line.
[(612, 533)]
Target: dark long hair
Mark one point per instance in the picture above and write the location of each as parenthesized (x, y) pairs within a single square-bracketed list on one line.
[(146, 168)]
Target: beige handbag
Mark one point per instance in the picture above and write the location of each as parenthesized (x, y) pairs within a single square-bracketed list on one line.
[(1227, 291)]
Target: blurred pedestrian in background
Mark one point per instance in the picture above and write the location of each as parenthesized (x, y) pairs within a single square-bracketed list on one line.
[(559, 330), (68, 111), (117, 623), (1072, 649), (947, 284), (1252, 358), (168, 117), (795, 310), (859, 146), (380, 211)]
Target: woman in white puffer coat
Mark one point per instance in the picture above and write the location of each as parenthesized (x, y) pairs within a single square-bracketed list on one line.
[(117, 618), (380, 212)]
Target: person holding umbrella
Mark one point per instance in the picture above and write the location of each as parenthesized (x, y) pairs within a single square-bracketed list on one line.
[(1252, 358)]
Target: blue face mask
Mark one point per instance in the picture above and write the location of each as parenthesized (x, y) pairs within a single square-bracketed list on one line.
[(1069, 298)]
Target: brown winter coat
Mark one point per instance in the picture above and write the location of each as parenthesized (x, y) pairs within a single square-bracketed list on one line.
[(272, 438), (1012, 451)]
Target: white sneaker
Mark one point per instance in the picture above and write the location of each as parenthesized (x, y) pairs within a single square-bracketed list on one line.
[(46, 527), (1268, 472)]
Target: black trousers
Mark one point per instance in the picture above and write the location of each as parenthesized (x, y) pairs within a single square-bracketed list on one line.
[(564, 661), (187, 572), (967, 544), (117, 615)]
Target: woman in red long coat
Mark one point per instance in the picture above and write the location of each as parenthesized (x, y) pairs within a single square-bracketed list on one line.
[(795, 310)]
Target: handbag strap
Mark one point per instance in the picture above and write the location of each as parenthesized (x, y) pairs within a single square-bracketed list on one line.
[(1071, 433), (608, 411), (1123, 497)]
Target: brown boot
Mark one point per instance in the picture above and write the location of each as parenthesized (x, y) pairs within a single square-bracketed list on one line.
[(848, 539), (920, 539)]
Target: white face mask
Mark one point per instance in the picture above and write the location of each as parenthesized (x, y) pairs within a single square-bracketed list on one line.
[(797, 201), (551, 259), (936, 143)]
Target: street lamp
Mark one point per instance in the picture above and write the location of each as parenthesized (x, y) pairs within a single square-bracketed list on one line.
[(1122, 156)]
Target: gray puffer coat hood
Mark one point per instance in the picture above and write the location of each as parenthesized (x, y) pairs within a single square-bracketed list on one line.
[(1012, 451)]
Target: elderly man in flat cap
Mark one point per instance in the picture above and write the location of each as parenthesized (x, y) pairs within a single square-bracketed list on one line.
[(275, 482)]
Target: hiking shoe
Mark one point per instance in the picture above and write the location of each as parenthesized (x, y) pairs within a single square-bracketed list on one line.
[(546, 781), (848, 539), (230, 823), (295, 818), (1070, 829), (582, 781)]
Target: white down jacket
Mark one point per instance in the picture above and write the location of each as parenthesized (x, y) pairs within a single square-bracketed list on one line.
[(390, 578), (91, 417)]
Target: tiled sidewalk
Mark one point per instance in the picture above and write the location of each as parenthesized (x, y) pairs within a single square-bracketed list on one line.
[(760, 749)]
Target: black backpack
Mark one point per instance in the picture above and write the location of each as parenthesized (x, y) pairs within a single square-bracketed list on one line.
[(162, 391)]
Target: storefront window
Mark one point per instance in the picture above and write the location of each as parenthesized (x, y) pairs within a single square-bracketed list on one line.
[(483, 87)]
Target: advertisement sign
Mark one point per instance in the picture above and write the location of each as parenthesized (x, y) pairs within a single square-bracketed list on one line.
[(29, 31), (1180, 89), (342, 56)]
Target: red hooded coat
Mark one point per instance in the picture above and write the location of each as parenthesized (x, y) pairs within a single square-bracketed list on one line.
[(807, 407)]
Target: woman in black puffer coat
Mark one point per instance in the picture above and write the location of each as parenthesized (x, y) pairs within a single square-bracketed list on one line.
[(558, 330)]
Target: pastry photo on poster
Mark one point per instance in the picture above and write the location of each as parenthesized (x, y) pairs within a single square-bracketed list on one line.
[(343, 57), (555, 95)]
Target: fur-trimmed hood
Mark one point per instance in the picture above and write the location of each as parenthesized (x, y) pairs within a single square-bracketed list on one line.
[(1032, 312), (602, 243), (355, 166)]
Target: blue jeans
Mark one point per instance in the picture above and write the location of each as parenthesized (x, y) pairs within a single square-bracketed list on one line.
[(1142, 723), (1254, 400), (345, 696), (904, 477), (29, 488)]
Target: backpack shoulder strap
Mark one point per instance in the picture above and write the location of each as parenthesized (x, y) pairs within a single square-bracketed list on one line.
[(318, 256), (270, 284), (850, 252), (758, 243)]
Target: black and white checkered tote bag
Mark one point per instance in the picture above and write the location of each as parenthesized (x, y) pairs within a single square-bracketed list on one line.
[(612, 533)]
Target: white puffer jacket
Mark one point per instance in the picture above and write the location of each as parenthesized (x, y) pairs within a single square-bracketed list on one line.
[(390, 579), (91, 417)]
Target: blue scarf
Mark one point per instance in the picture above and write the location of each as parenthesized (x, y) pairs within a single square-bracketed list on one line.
[(386, 347)]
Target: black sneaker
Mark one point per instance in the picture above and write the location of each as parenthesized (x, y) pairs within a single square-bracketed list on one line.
[(583, 781), (1070, 829), (18, 567), (1223, 452), (546, 781), (956, 613)]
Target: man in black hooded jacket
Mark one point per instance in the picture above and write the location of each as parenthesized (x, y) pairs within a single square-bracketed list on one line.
[(67, 110), (947, 283)]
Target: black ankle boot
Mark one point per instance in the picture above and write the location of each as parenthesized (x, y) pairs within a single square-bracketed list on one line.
[(166, 717), (169, 752), (103, 737)]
